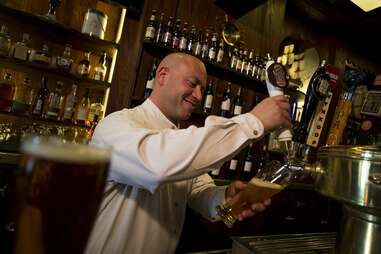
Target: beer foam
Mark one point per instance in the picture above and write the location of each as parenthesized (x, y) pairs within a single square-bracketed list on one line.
[(265, 184), (55, 149)]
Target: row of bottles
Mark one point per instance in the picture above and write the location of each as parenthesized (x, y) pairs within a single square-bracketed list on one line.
[(207, 45), (64, 62), (54, 105)]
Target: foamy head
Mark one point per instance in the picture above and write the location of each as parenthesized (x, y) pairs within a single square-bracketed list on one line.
[(55, 149), (265, 184)]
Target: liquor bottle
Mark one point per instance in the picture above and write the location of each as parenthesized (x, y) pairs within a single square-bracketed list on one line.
[(65, 61), (184, 38), (191, 40), (215, 173), (237, 108), (5, 41), (96, 111), (208, 101), (255, 69), (69, 106), (167, 38), (232, 168), (248, 164), (160, 29), (41, 98), (84, 66), (101, 69), (220, 52), (197, 46), (7, 90), (226, 102), (151, 27), (212, 53), (244, 61), (21, 49), (234, 58), (41, 56), (55, 102), (238, 65), (205, 45), (21, 98), (82, 112), (150, 81), (249, 64), (176, 35)]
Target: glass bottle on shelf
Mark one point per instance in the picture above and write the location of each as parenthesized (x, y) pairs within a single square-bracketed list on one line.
[(212, 53), (101, 69), (160, 29), (197, 46), (55, 102), (84, 66), (215, 173), (239, 61), (69, 106), (41, 98), (5, 41), (255, 69), (21, 50), (191, 40), (7, 90), (176, 35), (232, 168), (41, 57), (248, 164), (21, 98), (205, 45), (226, 102), (96, 112), (82, 112), (220, 52), (151, 27), (167, 38), (237, 109), (65, 61), (234, 58), (250, 62), (244, 61), (184, 38), (208, 98), (150, 81)]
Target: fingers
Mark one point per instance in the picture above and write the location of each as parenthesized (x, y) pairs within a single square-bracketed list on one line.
[(253, 209)]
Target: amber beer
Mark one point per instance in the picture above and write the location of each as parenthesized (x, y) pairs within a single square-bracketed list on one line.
[(59, 188), (256, 191)]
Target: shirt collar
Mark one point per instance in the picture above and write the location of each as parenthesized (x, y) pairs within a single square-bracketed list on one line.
[(151, 109)]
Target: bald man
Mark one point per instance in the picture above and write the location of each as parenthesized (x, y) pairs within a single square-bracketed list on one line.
[(157, 168)]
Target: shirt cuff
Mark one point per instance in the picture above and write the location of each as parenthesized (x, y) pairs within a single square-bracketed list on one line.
[(250, 124)]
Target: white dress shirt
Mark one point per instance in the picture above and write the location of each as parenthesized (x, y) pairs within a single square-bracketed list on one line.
[(156, 169)]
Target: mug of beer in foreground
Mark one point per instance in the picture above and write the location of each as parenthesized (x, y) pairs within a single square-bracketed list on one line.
[(59, 187)]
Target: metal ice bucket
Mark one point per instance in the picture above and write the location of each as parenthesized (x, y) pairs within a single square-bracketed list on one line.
[(352, 175)]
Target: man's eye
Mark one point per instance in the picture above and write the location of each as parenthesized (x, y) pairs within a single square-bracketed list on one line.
[(192, 84)]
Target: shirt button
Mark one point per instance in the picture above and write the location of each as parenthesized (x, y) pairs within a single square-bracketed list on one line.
[(255, 132)]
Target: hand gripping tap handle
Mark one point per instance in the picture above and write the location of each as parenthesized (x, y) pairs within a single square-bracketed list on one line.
[(275, 81)]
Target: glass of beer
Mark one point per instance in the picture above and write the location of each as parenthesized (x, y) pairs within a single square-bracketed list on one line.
[(59, 187)]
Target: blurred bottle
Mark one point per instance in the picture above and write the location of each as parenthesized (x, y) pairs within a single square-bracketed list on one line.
[(96, 112), (208, 98), (184, 38), (212, 53), (84, 66), (5, 41), (237, 108), (205, 45), (55, 102), (69, 106), (226, 102), (83, 108), (232, 168), (151, 27), (191, 40), (248, 164), (101, 69), (150, 80), (220, 52), (176, 35), (21, 49), (160, 29), (65, 61), (7, 90), (167, 38), (41, 98)]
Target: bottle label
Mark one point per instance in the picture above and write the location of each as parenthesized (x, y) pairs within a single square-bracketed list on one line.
[(52, 111), (233, 164), (98, 75), (83, 69), (233, 62), (237, 110), (183, 43), (150, 32), (68, 112), (204, 50), (150, 83), (239, 65), (212, 53), (208, 101), (167, 37), (247, 167), (225, 105), (82, 114), (220, 55), (216, 172), (63, 63), (248, 68), (197, 49), (38, 107), (175, 42), (243, 67)]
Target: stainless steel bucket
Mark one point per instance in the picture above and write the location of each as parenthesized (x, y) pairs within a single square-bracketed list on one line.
[(352, 175)]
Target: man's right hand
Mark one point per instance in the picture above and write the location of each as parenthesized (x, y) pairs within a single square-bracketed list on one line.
[(274, 112)]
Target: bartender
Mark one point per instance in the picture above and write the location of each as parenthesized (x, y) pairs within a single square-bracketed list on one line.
[(157, 168)]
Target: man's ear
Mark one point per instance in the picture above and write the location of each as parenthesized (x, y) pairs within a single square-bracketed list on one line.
[(162, 75)]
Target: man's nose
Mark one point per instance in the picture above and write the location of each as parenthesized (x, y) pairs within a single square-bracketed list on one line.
[(197, 93)]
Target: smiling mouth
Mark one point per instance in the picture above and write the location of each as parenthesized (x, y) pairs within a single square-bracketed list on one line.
[(190, 102)]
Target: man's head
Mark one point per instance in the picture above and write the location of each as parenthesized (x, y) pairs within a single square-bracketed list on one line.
[(179, 81)]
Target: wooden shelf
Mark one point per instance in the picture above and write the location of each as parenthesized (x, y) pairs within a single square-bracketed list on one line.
[(17, 64), (56, 31), (214, 69), (34, 119)]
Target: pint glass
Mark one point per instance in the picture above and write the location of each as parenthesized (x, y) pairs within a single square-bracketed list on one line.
[(59, 187)]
